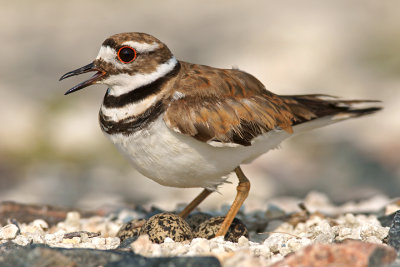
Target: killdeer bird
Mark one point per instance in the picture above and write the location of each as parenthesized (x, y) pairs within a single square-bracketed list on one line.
[(188, 125)]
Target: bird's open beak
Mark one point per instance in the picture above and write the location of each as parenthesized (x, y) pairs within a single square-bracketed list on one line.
[(90, 67)]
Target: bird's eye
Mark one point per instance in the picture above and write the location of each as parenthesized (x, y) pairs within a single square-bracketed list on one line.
[(126, 54)]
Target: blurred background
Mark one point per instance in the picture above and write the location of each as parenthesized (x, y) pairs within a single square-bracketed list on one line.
[(53, 152)]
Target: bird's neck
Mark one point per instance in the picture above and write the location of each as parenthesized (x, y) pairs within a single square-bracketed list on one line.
[(120, 113)]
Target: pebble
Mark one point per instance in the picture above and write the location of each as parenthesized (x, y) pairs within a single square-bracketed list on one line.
[(346, 254), (98, 241), (9, 231), (22, 240), (112, 242), (243, 241), (394, 232), (199, 246), (143, 246), (39, 223), (74, 240), (72, 217), (71, 223)]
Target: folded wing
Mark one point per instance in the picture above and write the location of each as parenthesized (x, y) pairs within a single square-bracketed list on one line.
[(233, 107)]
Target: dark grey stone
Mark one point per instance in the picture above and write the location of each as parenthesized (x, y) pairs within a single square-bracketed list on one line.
[(12, 255), (394, 232), (386, 220)]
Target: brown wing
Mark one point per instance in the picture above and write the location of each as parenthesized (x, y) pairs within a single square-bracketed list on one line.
[(228, 106), (231, 106)]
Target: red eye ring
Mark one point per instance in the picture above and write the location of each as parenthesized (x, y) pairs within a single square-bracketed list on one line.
[(126, 54)]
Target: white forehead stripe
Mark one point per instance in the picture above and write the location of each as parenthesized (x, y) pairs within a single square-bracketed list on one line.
[(106, 53), (142, 47), (109, 55)]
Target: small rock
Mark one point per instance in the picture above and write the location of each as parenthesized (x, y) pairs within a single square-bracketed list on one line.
[(58, 236), (394, 232), (112, 242), (40, 224), (209, 228), (199, 246), (386, 220), (22, 240), (165, 225), (130, 229), (350, 219), (74, 240), (9, 231), (73, 217), (276, 241), (49, 238), (295, 244), (392, 208), (142, 245), (98, 241), (370, 232), (81, 234), (30, 229), (84, 237), (274, 212), (37, 237), (243, 241), (73, 220), (242, 258), (257, 220), (348, 254)]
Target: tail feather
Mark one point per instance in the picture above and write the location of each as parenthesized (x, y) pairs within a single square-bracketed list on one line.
[(309, 107)]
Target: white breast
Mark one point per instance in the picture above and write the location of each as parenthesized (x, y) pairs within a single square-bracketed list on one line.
[(176, 160)]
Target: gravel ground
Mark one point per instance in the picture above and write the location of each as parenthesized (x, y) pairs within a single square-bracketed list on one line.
[(274, 233)]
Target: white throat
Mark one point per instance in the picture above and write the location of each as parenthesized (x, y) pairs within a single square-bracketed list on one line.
[(123, 83)]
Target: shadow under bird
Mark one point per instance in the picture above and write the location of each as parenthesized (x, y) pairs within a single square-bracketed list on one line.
[(188, 125)]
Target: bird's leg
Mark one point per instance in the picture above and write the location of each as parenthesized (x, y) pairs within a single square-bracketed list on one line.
[(195, 202), (242, 189)]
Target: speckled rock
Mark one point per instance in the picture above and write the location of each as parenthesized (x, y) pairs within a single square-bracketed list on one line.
[(394, 232), (164, 225), (209, 228), (130, 229), (351, 253), (194, 220)]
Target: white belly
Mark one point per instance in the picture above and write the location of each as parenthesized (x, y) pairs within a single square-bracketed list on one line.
[(173, 159)]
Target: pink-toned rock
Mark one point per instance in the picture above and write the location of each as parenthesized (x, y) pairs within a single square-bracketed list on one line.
[(350, 253)]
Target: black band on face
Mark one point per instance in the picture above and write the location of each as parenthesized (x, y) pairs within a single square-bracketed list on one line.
[(140, 93)]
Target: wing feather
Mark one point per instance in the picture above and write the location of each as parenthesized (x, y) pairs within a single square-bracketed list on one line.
[(233, 107)]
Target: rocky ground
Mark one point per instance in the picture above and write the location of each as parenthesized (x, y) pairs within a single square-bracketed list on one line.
[(339, 235)]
